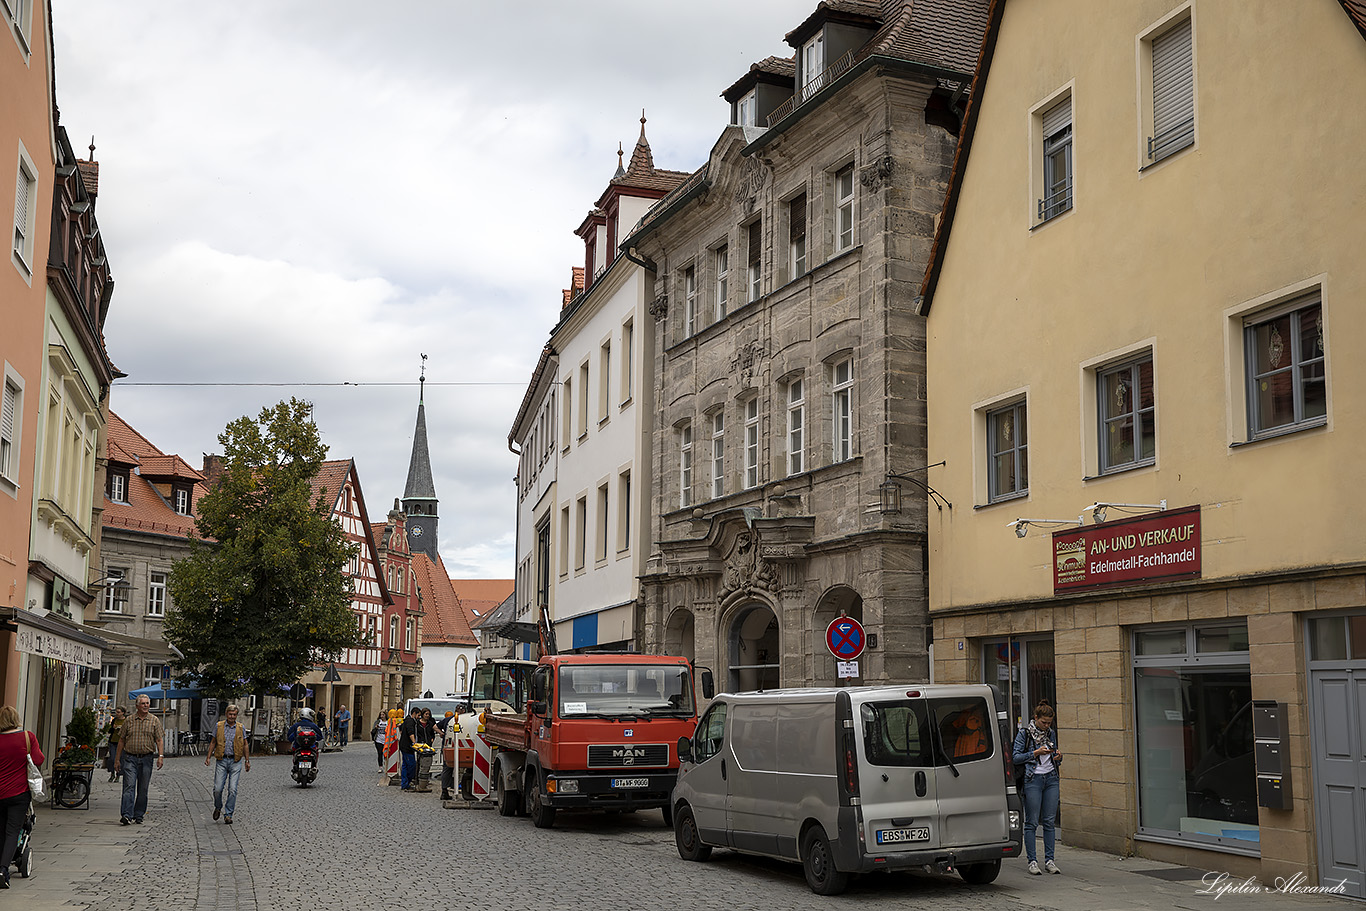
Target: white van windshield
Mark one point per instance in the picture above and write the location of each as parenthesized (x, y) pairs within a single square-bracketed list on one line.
[(614, 690)]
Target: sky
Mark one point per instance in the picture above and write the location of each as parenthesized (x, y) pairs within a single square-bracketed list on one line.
[(300, 195)]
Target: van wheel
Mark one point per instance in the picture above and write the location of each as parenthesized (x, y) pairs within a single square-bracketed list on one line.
[(542, 816), (818, 863), (982, 873), (505, 799), (689, 843)]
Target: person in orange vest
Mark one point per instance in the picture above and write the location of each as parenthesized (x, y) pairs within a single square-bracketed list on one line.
[(230, 749)]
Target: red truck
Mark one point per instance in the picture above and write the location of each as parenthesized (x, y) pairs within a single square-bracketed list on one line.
[(600, 732)]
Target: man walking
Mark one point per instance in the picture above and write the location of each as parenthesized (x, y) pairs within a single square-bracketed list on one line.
[(343, 717), (139, 741), (230, 749)]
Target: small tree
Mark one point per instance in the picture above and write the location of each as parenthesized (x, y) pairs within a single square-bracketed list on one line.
[(263, 595)]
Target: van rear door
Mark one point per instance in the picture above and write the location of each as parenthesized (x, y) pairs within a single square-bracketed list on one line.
[(969, 776), (897, 779)]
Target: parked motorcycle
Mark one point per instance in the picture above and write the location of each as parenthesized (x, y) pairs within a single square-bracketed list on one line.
[(306, 753)]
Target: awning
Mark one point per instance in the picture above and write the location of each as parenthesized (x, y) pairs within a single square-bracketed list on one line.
[(519, 631), (175, 692), (150, 648), (53, 636)]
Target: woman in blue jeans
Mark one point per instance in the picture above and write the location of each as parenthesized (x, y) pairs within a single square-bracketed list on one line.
[(1036, 747)]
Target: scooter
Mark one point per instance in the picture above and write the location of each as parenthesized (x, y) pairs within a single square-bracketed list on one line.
[(305, 758)]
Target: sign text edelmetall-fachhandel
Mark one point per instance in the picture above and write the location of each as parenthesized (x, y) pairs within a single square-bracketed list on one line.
[(1165, 545)]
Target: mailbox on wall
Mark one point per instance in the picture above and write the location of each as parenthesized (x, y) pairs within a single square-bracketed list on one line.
[(1271, 744)]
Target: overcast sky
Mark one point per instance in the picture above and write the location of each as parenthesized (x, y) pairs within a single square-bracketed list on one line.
[(319, 192)]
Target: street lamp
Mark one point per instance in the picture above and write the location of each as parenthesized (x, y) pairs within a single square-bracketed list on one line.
[(889, 491)]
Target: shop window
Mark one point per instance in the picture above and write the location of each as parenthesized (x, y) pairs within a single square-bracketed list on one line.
[(1197, 777), (1024, 671)]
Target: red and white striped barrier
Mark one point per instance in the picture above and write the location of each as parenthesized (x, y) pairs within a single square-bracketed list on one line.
[(483, 762)]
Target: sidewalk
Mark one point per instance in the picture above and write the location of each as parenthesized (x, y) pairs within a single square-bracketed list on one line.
[(73, 848)]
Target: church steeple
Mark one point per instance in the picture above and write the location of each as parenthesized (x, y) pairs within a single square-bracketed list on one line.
[(419, 494)]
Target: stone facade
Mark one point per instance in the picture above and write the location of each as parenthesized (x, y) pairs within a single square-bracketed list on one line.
[(748, 570)]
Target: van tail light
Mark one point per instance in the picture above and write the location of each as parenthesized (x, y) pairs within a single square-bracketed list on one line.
[(850, 766)]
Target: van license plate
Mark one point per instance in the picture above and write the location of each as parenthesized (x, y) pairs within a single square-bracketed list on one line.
[(897, 836), (634, 783)]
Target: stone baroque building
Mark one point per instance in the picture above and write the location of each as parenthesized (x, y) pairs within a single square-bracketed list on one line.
[(1154, 380), (789, 355)]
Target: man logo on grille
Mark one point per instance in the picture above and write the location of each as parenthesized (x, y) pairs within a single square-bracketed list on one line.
[(628, 755)]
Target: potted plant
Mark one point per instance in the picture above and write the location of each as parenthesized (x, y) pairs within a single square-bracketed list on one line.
[(82, 737)]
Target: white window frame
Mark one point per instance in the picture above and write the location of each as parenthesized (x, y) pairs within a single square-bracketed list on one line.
[(118, 487), (628, 357), (583, 400), (581, 534), (796, 426), (751, 442), (721, 260), (624, 512), (393, 633), (684, 465), (11, 426), (600, 533), (564, 541), (844, 192), (19, 14), (797, 246), (25, 214), (109, 681), (689, 300), (151, 676), (409, 634), (718, 454), (755, 268), (813, 63), (842, 410), (115, 595), (746, 110), (604, 382), (182, 501), (1167, 96), (1018, 411), (156, 594)]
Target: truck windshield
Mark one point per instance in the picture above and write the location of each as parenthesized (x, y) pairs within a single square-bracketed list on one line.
[(496, 682), (625, 689)]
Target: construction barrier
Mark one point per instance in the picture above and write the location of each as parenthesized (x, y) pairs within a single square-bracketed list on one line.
[(483, 762)]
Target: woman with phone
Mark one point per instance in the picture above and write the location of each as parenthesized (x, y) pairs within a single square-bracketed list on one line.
[(1036, 748)]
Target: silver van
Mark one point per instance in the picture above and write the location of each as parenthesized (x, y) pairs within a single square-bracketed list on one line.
[(851, 780)]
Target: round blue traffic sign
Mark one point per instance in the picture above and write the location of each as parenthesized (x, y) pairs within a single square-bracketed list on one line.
[(845, 639)]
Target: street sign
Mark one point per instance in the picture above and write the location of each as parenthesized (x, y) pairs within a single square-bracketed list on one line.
[(298, 692), (846, 670), (332, 676), (844, 637)]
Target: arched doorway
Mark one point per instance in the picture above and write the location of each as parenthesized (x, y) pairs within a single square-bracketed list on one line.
[(753, 650), (838, 600), (678, 635)]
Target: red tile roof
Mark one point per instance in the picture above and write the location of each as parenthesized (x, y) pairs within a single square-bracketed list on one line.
[(446, 621), (146, 509)]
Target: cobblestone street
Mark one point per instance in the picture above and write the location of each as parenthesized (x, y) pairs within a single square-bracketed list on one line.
[(349, 843)]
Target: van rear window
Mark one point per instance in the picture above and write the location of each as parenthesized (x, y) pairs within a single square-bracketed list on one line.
[(898, 733)]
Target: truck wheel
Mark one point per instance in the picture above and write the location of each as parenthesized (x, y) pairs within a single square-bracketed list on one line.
[(505, 799), (542, 816), (689, 843), (818, 863), (980, 874)]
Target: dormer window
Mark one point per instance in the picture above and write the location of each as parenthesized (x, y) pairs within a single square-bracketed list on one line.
[(118, 485), (813, 64), (181, 497), (746, 110)]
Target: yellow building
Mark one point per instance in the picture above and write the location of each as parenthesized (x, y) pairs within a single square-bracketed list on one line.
[(1143, 310)]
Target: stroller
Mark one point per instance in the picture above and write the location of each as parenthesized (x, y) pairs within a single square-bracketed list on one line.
[(23, 853)]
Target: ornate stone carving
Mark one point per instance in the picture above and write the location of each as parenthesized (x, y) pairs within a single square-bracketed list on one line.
[(746, 570), (746, 357), (659, 307), (750, 183), (877, 173)]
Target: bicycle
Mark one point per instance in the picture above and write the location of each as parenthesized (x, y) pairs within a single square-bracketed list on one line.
[(70, 787)]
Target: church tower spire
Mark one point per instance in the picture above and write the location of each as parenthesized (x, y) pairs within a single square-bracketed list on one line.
[(419, 494)]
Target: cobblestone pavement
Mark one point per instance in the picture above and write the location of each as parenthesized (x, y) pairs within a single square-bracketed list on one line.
[(348, 842)]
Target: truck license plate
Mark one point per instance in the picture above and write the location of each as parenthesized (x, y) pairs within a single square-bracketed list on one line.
[(897, 836), (633, 783)]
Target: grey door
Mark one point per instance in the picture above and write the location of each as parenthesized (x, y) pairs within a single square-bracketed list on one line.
[(1339, 710)]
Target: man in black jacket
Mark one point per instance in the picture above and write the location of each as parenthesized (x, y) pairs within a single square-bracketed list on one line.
[(407, 733)]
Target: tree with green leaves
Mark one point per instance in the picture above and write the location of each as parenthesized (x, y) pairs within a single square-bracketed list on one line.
[(263, 594)]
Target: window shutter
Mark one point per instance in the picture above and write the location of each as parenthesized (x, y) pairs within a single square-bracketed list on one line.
[(7, 415), (1173, 89), (755, 242), (21, 210), (1057, 118), (797, 218)]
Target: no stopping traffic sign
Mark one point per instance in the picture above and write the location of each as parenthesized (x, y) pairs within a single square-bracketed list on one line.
[(844, 637)]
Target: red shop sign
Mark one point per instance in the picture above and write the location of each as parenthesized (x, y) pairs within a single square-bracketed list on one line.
[(1164, 545)]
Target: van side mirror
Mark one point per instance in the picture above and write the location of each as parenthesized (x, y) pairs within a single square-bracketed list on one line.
[(708, 684), (685, 749), (536, 707)]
